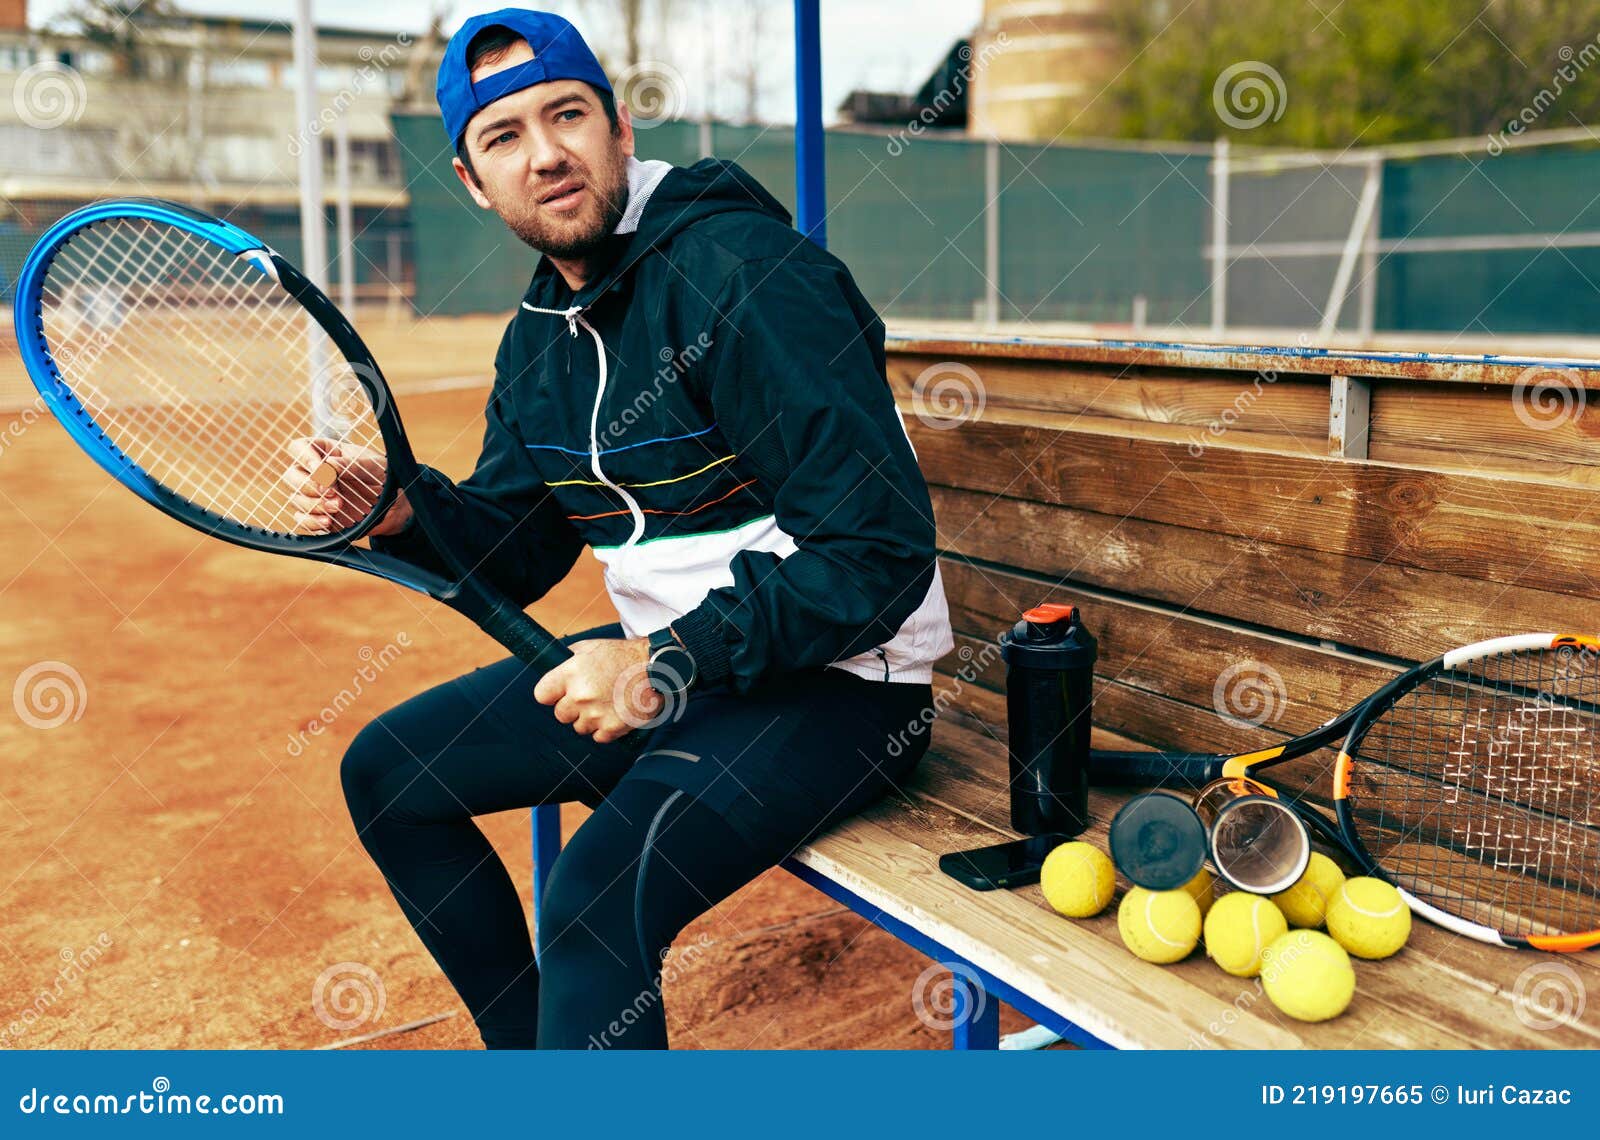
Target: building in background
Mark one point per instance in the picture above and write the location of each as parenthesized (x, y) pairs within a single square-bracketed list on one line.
[(1043, 63), (940, 104), (201, 109)]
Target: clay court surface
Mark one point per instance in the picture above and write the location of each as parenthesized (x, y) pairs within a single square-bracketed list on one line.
[(177, 868)]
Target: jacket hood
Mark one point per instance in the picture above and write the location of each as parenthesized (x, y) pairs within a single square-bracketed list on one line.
[(662, 200)]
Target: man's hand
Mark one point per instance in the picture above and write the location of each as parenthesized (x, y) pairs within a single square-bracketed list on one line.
[(335, 485), (603, 690)]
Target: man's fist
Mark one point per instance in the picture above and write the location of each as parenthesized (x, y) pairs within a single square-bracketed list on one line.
[(334, 485), (602, 690)]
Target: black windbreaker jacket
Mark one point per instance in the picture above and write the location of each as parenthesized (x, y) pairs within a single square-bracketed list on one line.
[(711, 415)]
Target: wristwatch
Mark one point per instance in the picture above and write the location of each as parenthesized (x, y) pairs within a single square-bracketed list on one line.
[(671, 669)]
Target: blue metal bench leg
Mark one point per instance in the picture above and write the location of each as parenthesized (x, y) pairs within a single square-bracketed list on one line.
[(976, 1014), (546, 846)]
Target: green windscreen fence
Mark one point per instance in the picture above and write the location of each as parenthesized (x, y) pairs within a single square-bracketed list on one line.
[(1109, 236), (1549, 198)]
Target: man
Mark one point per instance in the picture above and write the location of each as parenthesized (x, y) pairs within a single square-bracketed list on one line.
[(697, 392)]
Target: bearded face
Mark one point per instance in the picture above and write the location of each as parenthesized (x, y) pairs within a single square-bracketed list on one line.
[(568, 211)]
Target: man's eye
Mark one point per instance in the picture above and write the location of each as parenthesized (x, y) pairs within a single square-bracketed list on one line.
[(574, 112), (497, 140)]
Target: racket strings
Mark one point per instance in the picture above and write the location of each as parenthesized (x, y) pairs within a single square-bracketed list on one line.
[(200, 369), (150, 358), (217, 264), (1476, 791)]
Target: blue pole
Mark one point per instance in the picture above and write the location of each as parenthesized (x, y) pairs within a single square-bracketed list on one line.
[(811, 208)]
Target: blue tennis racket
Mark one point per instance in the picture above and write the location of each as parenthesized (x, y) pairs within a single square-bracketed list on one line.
[(194, 364)]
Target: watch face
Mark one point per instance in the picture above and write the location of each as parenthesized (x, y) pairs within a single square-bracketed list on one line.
[(671, 670)]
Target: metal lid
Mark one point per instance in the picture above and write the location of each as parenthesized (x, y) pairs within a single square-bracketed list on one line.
[(1158, 842)]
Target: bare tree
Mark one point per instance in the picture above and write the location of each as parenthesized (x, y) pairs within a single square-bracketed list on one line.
[(160, 59)]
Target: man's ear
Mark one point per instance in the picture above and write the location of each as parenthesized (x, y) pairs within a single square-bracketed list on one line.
[(470, 183), (625, 129)]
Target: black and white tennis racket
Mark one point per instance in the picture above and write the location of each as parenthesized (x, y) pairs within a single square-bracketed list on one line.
[(194, 363), (1471, 782)]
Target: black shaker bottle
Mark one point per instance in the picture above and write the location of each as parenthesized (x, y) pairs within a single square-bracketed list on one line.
[(1049, 659)]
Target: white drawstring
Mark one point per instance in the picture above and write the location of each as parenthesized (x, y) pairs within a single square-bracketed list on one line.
[(569, 315)]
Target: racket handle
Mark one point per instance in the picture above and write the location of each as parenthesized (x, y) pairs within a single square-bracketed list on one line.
[(1192, 770), (529, 641)]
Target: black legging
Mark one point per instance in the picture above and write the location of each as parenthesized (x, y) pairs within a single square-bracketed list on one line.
[(685, 814)]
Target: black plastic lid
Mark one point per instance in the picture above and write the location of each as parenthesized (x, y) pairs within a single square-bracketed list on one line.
[(1049, 636), (1158, 842)]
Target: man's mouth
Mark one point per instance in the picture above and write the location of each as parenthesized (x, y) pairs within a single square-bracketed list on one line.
[(564, 196)]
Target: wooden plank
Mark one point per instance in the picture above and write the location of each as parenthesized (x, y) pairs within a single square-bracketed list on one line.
[(1249, 409), (1439, 368), (1473, 427), (1449, 985), (1537, 535), (1188, 658), (889, 856), (1377, 605)]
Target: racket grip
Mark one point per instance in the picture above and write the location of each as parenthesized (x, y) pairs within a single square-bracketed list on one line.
[(1191, 770), (528, 640)]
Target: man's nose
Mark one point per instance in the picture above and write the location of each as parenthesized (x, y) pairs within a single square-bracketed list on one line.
[(545, 156)]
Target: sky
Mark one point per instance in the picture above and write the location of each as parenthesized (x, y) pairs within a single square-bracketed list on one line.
[(888, 45)]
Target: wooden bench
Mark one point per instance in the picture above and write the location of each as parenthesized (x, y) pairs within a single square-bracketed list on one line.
[(1298, 521)]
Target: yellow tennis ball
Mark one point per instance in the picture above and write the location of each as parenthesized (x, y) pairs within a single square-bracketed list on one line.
[(1202, 889), (1078, 879), (1306, 903), (1239, 928), (1308, 975), (1324, 872), (1159, 926), (1369, 918)]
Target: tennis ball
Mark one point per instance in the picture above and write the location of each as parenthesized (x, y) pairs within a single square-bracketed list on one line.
[(1238, 928), (1306, 903), (1307, 975), (1078, 879), (1159, 926), (1369, 918), (1202, 889)]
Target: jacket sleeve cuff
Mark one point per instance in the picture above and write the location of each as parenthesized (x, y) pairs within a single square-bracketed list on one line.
[(410, 543), (700, 630)]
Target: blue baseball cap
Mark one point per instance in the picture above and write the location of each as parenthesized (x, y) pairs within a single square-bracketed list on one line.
[(559, 52)]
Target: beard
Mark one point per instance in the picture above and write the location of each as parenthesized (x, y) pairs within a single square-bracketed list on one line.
[(576, 235)]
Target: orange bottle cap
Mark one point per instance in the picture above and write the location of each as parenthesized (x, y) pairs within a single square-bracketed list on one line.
[(1050, 612)]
